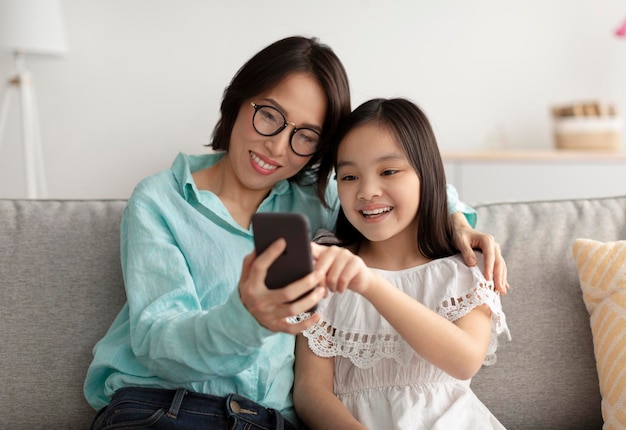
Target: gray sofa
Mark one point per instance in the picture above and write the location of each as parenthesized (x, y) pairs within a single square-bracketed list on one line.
[(62, 286)]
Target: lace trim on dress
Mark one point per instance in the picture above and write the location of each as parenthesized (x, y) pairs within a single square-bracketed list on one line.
[(365, 350), (454, 308)]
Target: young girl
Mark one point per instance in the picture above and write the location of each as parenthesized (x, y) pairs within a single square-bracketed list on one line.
[(398, 347)]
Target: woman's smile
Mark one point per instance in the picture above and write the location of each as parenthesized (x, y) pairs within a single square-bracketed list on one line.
[(262, 164)]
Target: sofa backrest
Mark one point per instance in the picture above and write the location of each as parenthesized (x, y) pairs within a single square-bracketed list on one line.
[(61, 284), (62, 287), (546, 376)]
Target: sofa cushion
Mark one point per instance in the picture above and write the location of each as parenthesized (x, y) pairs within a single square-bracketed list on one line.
[(61, 288), (602, 272)]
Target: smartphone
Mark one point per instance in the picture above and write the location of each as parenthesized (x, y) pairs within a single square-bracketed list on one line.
[(296, 261)]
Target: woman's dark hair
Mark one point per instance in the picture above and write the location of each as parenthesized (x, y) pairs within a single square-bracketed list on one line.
[(414, 134), (267, 69)]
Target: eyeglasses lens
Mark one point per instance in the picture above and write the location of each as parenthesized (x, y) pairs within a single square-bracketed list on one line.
[(269, 121)]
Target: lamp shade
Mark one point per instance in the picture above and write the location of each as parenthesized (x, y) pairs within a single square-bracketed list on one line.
[(32, 26)]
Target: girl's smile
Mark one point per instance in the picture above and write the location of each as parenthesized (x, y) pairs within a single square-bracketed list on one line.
[(374, 213)]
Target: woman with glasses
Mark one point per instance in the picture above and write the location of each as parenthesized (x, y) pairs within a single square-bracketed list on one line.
[(201, 341)]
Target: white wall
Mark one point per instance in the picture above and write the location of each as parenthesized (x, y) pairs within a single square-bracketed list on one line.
[(143, 78)]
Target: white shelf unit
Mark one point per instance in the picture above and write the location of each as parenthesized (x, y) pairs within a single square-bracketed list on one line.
[(489, 176)]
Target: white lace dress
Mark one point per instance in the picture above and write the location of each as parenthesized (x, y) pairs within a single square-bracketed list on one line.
[(379, 378)]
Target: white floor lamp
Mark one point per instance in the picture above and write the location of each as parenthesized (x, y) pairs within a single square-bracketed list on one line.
[(29, 27)]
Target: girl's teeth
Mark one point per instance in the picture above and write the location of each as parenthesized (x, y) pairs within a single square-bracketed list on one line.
[(375, 211)]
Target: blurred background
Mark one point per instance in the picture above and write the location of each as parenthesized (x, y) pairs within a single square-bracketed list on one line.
[(141, 80)]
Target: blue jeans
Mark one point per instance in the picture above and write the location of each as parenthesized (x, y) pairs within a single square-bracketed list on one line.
[(153, 408)]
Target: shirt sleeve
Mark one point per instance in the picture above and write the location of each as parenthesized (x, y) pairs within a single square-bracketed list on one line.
[(172, 333), (456, 205)]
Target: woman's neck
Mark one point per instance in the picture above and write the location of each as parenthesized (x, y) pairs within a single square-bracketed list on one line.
[(241, 201)]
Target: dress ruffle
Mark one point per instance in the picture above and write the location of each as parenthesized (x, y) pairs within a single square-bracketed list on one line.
[(351, 327)]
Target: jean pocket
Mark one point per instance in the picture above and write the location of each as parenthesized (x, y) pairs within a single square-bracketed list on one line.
[(130, 417)]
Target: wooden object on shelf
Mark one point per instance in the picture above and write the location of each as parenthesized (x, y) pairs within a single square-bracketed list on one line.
[(587, 126)]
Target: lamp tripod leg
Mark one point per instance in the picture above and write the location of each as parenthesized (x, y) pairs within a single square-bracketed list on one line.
[(28, 135), (4, 113), (39, 164), (21, 82)]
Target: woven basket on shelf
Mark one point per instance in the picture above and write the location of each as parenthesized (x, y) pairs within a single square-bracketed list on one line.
[(601, 133), (587, 126)]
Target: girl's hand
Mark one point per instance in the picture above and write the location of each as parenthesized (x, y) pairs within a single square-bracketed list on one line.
[(341, 269), (466, 239), (272, 307)]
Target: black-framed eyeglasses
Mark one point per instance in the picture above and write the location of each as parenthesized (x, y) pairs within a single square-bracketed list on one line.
[(269, 121)]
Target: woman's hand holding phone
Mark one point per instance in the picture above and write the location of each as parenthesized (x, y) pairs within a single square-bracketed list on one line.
[(272, 307)]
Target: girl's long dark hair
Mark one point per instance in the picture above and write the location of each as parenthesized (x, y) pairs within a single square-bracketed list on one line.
[(413, 132)]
